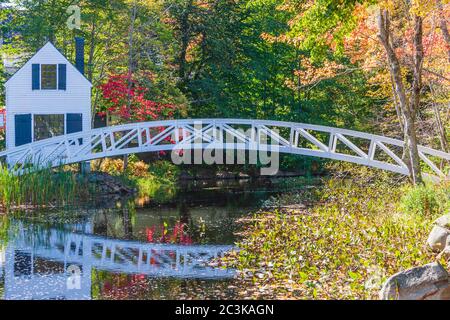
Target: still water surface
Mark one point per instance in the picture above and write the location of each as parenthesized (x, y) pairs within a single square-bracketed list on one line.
[(129, 249)]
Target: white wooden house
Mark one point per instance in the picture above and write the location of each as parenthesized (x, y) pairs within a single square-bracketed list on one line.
[(48, 96)]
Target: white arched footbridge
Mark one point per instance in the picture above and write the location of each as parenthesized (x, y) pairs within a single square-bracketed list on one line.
[(253, 135)]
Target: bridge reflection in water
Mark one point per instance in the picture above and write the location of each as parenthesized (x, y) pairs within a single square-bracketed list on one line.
[(36, 261)]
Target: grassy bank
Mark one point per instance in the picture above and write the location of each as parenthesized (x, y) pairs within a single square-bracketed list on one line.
[(345, 245), (42, 188), (155, 181), (64, 186)]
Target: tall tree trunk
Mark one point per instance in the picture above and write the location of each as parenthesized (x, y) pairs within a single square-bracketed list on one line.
[(92, 51), (90, 66), (130, 67), (444, 29), (440, 128), (414, 100), (185, 37), (131, 52), (299, 82), (398, 111), (408, 109), (101, 73), (439, 125)]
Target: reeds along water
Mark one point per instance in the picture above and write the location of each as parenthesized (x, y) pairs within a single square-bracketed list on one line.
[(41, 187)]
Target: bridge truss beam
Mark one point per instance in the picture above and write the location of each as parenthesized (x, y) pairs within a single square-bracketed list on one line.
[(253, 135)]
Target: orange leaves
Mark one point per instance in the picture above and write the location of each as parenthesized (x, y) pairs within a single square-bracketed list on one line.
[(311, 74), (192, 48), (283, 38), (363, 47)]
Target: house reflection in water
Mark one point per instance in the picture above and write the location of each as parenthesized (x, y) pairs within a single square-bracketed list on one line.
[(35, 267), (37, 261)]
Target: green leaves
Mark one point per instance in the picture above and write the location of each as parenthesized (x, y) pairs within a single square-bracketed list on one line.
[(426, 200), (354, 275), (322, 25)]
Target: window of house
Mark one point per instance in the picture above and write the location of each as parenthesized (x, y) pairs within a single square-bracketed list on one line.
[(48, 126), (48, 77)]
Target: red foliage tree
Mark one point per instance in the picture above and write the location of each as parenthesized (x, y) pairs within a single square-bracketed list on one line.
[(125, 98), (179, 234)]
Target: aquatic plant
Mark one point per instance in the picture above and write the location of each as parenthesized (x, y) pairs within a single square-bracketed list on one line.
[(4, 227), (46, 187), (343, 247)]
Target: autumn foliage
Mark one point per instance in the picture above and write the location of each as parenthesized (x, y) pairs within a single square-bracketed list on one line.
[(126, 99), (179, 235)]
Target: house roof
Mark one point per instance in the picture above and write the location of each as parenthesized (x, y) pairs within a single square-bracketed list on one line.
[(9, 5), (48, 44)]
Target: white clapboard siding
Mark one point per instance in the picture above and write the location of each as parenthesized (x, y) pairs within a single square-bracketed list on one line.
[(21, 99)]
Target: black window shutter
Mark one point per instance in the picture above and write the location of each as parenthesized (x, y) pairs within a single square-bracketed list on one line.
[(23, 129), (62, 77), (74, 122), (36, 85)]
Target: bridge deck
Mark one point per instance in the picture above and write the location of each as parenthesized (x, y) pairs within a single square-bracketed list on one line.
[(227, 134)]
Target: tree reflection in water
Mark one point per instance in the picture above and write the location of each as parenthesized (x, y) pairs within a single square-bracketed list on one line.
[(41, 247)]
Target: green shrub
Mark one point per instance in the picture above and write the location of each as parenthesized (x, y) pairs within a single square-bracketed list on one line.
[(159, 191), (147, 186), (159, 182), (426, 200), (164, 169)]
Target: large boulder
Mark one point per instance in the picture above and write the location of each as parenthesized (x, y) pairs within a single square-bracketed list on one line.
[(440, 233), (443, 294), (106, 184), (438, 238), (420, 283), (443, 221)]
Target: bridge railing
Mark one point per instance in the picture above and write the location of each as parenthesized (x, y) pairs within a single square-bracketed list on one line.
[(295, 138)]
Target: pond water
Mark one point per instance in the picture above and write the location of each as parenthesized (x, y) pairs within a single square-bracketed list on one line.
[(130, 249)]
